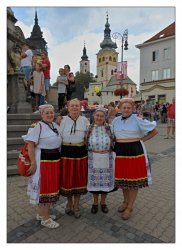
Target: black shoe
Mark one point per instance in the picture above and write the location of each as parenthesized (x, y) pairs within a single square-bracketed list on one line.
[(94, 209), (104, 208)]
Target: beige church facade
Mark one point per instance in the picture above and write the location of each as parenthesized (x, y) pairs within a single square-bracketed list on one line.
[(107, 59)]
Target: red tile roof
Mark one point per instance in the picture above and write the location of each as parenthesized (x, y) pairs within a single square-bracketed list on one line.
[(168, 31)]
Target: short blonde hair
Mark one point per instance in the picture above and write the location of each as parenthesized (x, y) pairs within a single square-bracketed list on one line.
[(74, 100)]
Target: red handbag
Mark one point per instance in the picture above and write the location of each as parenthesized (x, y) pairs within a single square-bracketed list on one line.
[(24, 162)]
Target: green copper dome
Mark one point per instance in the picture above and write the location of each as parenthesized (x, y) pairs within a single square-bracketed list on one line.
[(107, 42)]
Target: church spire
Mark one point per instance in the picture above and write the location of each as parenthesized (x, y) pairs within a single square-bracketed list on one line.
[(84, 57), (36, 41), (36, 18), (107, 42)]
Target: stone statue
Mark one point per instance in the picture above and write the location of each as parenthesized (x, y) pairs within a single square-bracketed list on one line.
[(15, 58)]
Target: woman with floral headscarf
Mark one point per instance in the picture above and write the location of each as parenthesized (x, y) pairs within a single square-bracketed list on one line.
[(100, 160)]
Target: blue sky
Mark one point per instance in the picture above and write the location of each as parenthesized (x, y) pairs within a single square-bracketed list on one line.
[(66, 28)]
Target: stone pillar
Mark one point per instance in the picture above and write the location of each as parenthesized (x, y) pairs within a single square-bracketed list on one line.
[(16, 94)]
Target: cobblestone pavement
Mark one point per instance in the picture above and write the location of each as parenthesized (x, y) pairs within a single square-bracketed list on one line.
[(152, 221)]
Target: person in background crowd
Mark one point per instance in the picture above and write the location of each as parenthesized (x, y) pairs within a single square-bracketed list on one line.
[(156, 111), (100, 160), (46, 66), (44, 143), (26, 65), (62, 82), (147, 110), (38, 86), (74, 167), (163, 113), (111, 112), (64, 112), (132, 170), (71, 82), (171, 119)]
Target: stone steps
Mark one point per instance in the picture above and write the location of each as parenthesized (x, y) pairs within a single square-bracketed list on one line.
[(22, 119), (12, 170), (17, 130), (14, 143), (12, 156), (17, 125)]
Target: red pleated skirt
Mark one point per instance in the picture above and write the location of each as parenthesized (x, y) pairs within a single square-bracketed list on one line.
[(49, 176), (130, 166), (74, 170)]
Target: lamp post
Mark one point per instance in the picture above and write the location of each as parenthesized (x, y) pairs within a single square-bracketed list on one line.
[(124, 45)]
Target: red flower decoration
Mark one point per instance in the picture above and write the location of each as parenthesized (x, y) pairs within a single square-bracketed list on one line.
[(121, 92)]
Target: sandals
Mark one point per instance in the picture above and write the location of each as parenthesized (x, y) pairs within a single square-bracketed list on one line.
[(68, 209), (127, 213), (39, 217), (123, 207), (77, 212), (49, 223)]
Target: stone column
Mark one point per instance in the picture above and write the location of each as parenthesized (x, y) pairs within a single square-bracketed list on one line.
[(16, 94)]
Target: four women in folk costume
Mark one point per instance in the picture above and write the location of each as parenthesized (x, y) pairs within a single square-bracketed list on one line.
[(86, 160)]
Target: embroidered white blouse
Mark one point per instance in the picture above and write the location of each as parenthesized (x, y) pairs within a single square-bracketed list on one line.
[(99, 140), (132, 127), (67, 131)]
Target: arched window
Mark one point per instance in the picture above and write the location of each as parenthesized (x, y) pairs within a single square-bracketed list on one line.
[(112, 72), (110, 58), (114, 59), (99, 59), (103, 58)]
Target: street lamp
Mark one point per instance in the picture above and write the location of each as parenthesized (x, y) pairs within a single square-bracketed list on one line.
[(124, 45)]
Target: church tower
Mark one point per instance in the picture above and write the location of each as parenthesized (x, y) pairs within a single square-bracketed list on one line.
[(84, 63), (36, 41), (107, 57)]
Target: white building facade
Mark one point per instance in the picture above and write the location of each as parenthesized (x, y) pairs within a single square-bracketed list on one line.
[(157, 66)]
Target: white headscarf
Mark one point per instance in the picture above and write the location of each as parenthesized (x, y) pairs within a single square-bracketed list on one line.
[(42, 107)]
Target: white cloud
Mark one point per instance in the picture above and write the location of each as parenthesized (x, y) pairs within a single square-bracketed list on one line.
[(71, 52)]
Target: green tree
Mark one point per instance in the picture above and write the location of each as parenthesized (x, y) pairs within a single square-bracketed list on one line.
[(82, 82)]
